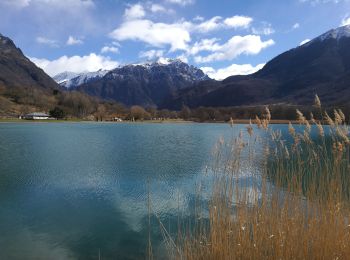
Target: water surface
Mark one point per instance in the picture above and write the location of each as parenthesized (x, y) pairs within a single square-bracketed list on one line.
[(77, 190)]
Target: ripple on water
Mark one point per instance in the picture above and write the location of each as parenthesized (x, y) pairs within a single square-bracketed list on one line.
[(75, 189)]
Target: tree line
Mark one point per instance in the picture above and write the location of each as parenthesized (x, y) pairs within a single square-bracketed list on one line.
[(17, 101)]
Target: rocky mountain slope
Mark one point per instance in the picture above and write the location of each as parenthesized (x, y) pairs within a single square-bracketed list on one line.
[(321, 66), (145, 84), (16, 70)]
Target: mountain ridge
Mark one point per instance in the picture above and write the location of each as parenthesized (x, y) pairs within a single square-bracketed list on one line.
[(146, 84), (321, 67), (71, 79), (16, 70)]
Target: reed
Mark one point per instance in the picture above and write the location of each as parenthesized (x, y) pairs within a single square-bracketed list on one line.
[(293, 205)]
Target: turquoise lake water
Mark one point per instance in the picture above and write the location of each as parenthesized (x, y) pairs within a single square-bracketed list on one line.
[(80, 190), (77, 190)]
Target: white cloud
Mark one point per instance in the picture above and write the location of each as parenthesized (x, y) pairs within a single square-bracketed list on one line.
[(53, 19), (110, 49), (155, 34), (116, 44), (46, 41), (163, 60), (232, 70), (73, 41), (264, 29), (68, 4), (177, 35), (198, 18), (181, 2), (304, 41), (137, 27), (91, 62), (237, 45), (209, 25), (151, 54), (345, 21), (216, 23), (134, 12), (315, 2), (155, 8), (238, 21), (16, 3), (183, 57), (296, 26), (205, 45)]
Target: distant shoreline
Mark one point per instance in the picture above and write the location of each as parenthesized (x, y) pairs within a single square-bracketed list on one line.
[(89, 121), (235, 121), (272, 121)]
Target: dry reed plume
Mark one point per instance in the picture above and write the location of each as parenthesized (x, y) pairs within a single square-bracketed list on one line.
[(293, 205)]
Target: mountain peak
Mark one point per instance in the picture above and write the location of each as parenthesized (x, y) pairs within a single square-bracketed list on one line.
[(147, 84), (71, 79), (158, 62), (293, 77), (16, 70), (337, 33), (6, 43)]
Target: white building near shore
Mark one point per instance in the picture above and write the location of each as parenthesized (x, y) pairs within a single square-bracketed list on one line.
[(37, 116)]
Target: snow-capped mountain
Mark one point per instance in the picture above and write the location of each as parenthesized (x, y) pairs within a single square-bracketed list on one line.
[(321, 66), (145, 84), (72, 80), (337, 33), (171, 66), (64, 77)]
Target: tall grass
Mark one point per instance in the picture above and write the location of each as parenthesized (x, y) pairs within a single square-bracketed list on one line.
[(295, 203)]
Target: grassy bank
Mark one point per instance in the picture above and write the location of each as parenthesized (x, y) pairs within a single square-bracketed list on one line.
[(296, 204), (16, 120), (165, 121)]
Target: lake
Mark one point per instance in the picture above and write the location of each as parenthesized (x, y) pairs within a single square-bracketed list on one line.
[(80, 190), (77, 190)]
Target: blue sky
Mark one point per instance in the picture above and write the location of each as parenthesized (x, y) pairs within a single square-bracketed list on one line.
[(224, 37)]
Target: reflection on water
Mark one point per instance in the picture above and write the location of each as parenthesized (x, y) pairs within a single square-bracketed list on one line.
[(72, 191)]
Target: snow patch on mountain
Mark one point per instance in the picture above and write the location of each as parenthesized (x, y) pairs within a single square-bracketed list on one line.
[(337, 34), (172, 66), (71, 79), (63, 77)]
